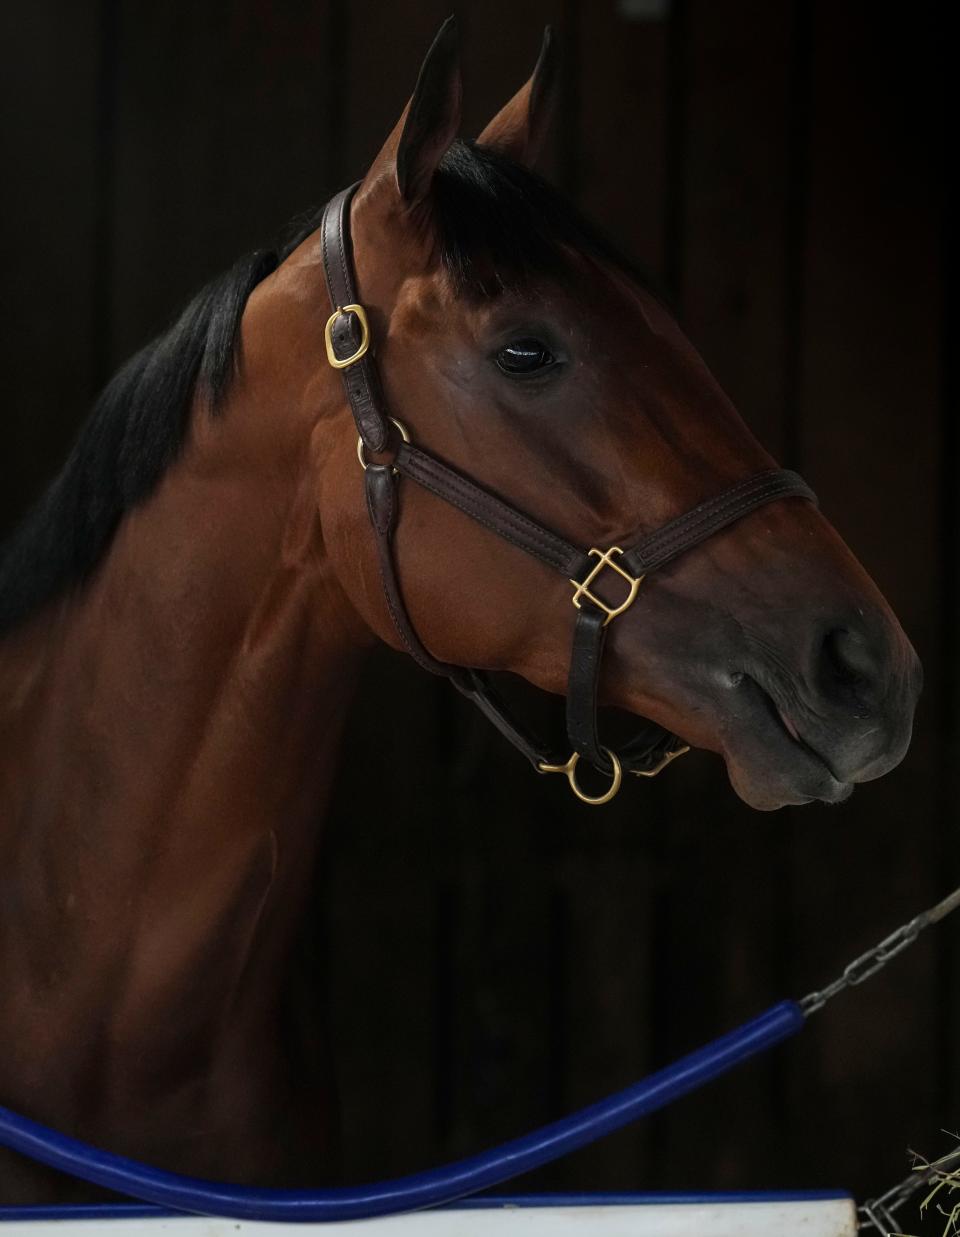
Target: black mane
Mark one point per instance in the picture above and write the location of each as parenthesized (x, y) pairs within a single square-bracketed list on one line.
[(135, 431), (499, 225)]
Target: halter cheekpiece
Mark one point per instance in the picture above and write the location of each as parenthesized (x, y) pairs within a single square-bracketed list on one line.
[(347, 339)]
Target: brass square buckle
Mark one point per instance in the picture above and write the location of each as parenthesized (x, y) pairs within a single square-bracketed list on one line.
[(582, 588), (364, 336)]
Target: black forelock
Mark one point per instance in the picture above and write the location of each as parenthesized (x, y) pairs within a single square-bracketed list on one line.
[(501, 225)]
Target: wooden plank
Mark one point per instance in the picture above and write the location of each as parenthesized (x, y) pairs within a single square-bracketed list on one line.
[(737, 178), (215, 157), (503, 942), (620, 164), (52, 88), (870, 430), (452, 1017), (718, 947), (494, 67), (377, 903), (604, 1005), (378, 930), (381, 47), (949, 778)]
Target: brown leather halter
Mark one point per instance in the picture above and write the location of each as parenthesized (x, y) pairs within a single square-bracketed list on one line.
[(347, 339)]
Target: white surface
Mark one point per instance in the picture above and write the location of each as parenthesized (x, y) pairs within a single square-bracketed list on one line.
[(832, 1218)]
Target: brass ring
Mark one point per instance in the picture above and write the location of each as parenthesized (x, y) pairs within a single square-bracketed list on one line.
[(570, 772), (403, 434)]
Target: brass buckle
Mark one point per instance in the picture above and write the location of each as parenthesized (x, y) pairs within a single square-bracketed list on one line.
[(364, 336), (570, 772), (667, 759), (582, 588), (360, 451)]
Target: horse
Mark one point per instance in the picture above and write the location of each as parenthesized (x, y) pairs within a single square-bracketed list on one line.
[(185, 612)]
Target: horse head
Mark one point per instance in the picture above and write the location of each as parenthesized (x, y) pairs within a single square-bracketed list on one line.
[(514, 342)]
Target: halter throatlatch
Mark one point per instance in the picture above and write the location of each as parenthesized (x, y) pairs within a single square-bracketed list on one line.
[(347, 338)]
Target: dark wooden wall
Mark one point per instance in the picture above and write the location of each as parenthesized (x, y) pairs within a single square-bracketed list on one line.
[(497, 954)]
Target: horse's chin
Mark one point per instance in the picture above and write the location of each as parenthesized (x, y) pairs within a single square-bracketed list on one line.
[(768, 767), (768, 789), (773, 763), (769, 764)]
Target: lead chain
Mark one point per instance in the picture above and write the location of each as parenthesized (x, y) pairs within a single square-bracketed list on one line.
[(877, 1213), (876, 958)]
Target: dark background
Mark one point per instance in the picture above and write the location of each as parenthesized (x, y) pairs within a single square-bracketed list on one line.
[(494, 953)]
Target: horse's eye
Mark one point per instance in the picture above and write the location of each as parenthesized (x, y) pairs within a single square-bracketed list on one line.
[(524, 356)]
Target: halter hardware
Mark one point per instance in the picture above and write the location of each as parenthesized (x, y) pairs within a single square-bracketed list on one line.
[(569, 770), (680, 750), (582, 589), (362, 347), (361, 453)]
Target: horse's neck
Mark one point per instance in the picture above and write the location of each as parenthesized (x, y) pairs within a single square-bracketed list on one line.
[(166, 748)]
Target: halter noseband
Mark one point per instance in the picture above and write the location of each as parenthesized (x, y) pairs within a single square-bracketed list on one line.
[(347, 340)]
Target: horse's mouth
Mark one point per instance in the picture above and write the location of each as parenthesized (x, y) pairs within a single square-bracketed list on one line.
[(770, 763)]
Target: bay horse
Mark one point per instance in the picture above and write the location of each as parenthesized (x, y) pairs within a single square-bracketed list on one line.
[(185, 612)]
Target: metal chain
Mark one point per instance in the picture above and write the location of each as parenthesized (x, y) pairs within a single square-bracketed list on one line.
[(878, 1212), (876, 958)]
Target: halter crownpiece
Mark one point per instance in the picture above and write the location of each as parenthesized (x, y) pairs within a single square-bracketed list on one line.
[(347, 339)]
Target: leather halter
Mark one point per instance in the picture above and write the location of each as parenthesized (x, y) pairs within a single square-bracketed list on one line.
[(348, 345)]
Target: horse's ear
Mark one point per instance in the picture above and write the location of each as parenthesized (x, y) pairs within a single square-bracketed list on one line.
[(520, 129), (431, 120)]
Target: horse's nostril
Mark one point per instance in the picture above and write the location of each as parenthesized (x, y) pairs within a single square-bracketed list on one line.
[(851, 664)]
